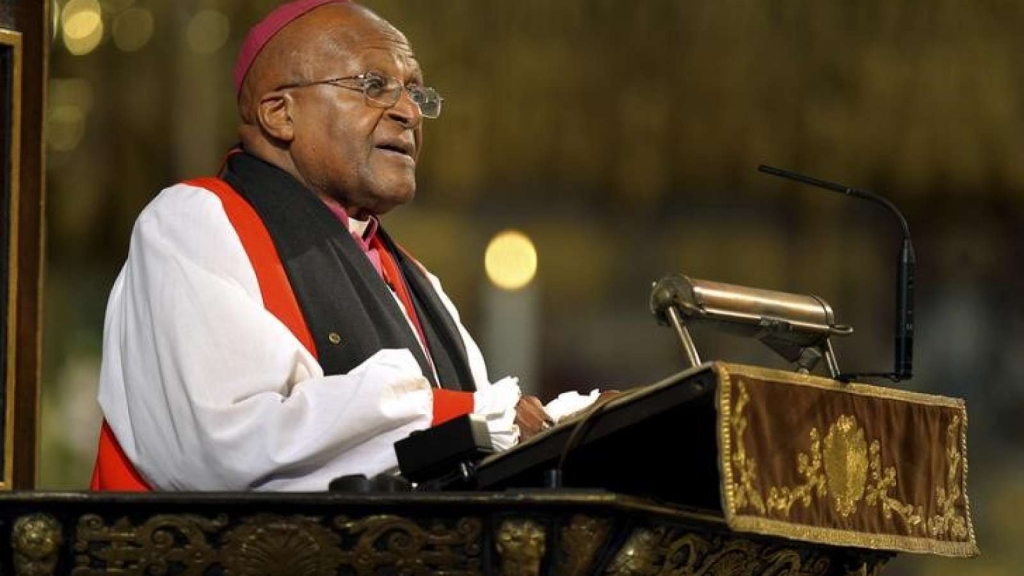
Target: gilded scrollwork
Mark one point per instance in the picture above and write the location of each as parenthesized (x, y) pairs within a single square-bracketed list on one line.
[(267, 543), (521, 546), (160, 543), (687, 553), (640, 554), (277, 544), (35, 541), (401, 544)]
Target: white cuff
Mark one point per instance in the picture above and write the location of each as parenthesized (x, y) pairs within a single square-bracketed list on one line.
[(569, 403), (497, 404)]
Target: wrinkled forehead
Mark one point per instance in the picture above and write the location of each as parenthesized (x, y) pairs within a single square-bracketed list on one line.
[(381, 47)]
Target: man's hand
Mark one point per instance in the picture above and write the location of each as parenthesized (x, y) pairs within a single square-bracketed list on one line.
[(531, 417)]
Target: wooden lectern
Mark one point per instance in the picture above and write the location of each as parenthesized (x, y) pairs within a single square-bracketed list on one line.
[(721, 469)]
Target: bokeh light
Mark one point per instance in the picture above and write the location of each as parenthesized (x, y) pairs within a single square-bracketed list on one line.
[(510, 260), (65, 127), (207, 31), (82, 26), (70, 101), (132, 29)]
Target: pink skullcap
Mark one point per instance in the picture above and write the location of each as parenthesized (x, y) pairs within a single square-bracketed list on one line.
[(260, 34)]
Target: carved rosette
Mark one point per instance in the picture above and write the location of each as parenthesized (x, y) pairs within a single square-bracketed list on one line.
[(35, 541)]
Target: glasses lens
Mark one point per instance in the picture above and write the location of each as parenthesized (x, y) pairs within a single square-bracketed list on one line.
[(427, 99), (383, 91)]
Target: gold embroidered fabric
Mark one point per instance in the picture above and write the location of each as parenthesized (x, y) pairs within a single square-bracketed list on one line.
[(845, 464)]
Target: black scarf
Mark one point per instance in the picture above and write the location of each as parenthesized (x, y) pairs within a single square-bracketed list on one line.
[(337, 287)]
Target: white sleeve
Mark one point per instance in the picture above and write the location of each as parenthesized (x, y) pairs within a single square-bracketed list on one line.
[(206, 390)]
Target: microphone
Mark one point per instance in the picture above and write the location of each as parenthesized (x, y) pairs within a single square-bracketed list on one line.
[(903, 339)]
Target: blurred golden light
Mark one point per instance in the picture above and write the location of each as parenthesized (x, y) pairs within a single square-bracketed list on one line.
[(207, 31), (132, 29), (65, 126), (77, 91), (510, 260), (82, 26)]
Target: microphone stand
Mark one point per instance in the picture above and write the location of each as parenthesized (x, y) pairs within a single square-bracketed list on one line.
[(903, 339)]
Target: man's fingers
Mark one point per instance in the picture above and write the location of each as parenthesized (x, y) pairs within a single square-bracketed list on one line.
[(531, 408), (531, 417)]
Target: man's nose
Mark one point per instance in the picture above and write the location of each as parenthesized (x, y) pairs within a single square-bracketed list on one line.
[(406, 112)]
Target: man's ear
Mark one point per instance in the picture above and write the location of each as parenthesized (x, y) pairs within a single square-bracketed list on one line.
[(274, 114)]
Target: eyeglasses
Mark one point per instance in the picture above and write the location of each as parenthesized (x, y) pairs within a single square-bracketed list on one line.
[(383, 91)]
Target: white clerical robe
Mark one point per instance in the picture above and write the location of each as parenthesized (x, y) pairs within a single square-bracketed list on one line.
[(207, 390)]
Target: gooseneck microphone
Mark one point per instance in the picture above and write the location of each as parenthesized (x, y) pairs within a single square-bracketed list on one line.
[(903, 348)]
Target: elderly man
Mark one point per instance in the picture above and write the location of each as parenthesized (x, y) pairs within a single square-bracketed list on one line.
[(266, 332)]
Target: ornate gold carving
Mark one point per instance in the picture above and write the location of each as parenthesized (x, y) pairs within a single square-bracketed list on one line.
[(394, 541), (276, 544), (687, 553), (582, 539), (846, 464), (149, 548), (270, 544), (36, 539), (639, 555), (521, 546)]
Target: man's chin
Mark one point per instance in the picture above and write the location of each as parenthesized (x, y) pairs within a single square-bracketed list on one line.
[(393, 198)]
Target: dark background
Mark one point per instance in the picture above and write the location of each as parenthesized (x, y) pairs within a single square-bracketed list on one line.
[(623, 138)]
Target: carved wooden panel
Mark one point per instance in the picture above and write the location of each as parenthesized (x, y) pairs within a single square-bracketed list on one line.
[(416, 534)]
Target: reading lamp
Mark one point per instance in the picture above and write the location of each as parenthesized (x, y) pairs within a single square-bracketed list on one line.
[(796, 326)]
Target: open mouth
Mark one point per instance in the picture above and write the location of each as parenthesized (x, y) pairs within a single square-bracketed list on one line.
[(396, 147)]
